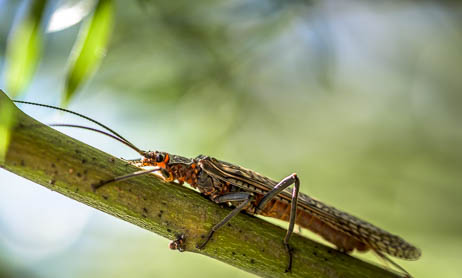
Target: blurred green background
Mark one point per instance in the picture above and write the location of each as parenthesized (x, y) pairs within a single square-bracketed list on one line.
[(362, 99)]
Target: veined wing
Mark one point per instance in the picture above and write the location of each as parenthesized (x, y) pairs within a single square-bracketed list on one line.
[(236, 175), (373, 236)]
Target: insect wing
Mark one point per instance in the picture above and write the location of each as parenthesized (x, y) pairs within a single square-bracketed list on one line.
[(376, 238), (373, 236), (236, 175)]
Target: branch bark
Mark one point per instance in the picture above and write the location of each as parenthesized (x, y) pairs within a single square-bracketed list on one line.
[(65, 165)]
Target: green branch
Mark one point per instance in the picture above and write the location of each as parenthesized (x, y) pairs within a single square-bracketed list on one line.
[(65, 165)]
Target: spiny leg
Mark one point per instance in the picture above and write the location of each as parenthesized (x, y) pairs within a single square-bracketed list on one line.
[(385, 258), (124, 177), (134, 161), (288, 181), (231, 197), (138, 162)]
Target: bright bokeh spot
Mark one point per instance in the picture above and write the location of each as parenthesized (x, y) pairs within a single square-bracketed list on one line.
[(68, 14)]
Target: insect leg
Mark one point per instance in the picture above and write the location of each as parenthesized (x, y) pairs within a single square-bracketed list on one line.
[(288, 181), (245, 197), (134, 160), (178, 243), (385, 258), (124, 177)]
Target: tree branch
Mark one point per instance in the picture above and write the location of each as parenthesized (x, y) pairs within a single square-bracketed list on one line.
[(65, 165)]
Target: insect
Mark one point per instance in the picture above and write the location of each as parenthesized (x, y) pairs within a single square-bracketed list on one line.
[(249, 191)]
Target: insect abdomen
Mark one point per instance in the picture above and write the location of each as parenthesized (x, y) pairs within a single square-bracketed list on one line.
[(281, 210)]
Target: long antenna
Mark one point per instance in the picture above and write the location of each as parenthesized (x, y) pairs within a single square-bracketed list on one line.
[(114, 134), (104, 133)]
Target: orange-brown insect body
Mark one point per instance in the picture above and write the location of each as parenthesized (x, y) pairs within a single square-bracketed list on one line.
[(177, 167), (215, 178)]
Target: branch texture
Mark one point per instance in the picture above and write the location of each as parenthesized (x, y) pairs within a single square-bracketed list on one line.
[(65, 165)]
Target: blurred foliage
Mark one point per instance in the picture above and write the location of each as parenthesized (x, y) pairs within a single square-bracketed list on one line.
[(24, 47), (362, 99), (90, 48)]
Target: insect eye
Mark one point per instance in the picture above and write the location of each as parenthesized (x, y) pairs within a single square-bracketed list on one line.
[(159, 158)]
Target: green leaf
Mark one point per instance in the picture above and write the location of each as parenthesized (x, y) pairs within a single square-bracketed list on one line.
[(24, 48), (89, 48), (7, 120)]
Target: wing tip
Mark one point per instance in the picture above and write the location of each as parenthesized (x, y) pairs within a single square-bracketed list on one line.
[(413, 253)]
